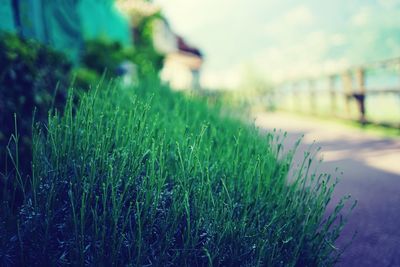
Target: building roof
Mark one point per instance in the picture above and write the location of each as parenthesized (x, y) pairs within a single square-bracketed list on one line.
[(183, 46)]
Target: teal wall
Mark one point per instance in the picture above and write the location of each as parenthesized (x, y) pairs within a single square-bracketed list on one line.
[(6, 16), (65, 24)]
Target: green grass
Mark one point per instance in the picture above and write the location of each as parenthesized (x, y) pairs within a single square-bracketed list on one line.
[(147, 177), (372, 129), (382, 131), (382, 111)]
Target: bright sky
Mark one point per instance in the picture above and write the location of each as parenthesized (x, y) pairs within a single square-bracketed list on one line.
[(285, 38)]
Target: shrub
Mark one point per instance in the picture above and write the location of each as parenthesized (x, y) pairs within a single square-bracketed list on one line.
[(32, 77), (85, 78), (102, 55), (34, 80), (153, 178), (149, 60)]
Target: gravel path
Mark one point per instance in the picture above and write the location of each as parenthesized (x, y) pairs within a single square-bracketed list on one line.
[(371, 174)]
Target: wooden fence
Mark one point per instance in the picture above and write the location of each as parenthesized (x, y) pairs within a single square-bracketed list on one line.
[(368, 93)]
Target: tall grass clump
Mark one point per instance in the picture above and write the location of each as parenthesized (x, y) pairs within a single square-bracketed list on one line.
[(147, 177)]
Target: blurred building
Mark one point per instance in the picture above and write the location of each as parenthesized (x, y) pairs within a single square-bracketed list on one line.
[(182, 65)]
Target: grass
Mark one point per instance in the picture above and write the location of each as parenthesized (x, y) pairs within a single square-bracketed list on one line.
[(146, 177), (372, 129), (381, 110)]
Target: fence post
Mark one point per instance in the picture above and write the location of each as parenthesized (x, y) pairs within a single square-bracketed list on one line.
[(347, 81), (332, 93), (295, 99), (311, 88), (359, 94)]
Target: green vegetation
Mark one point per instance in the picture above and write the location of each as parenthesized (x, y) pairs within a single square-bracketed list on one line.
[(373, 129), (32, 77), (143, 176), (101, 55)]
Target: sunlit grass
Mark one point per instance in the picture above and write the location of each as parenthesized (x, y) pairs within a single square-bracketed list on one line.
[(380, 109), (143, 176)]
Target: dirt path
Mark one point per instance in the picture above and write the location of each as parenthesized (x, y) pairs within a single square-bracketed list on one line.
[(371, 174)]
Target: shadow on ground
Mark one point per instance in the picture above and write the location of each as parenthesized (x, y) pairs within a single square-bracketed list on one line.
[(371, 175)]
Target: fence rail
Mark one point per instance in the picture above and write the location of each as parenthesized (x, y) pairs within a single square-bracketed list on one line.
[(368, 93)]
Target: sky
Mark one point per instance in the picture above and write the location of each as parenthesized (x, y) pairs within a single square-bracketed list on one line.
[(284, 39)]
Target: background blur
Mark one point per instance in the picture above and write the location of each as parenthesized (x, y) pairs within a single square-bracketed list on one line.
[(309, 54), (285, 39)]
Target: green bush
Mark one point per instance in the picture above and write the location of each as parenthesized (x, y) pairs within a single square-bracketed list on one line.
[(34, 80), (85, 78), (149, 60), (150, 177), (32, 77), (101, 55)]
